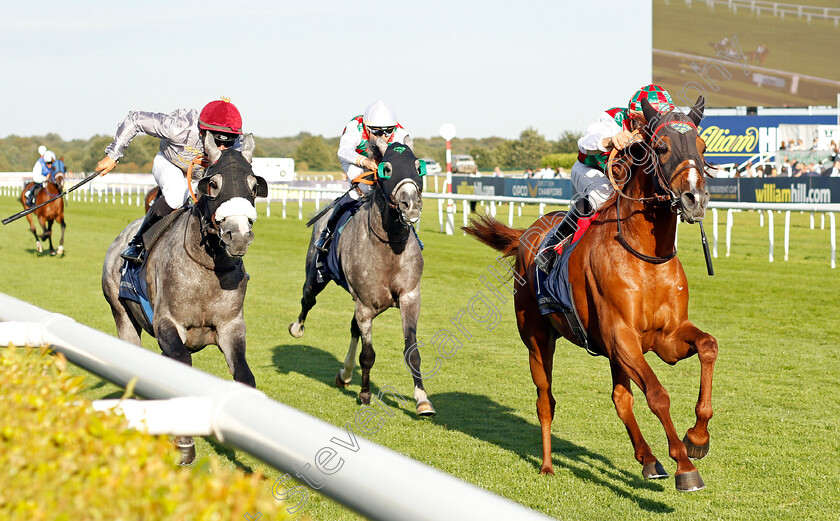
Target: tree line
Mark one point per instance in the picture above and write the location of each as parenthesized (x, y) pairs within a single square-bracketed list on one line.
[(311, 152)]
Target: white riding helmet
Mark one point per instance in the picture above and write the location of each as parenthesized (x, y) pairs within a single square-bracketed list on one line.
[(379, 114), (41, 150), (49, 157)]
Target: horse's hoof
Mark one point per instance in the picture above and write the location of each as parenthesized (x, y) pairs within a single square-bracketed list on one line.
[(364, 397), (296, 330), (341, 383), (61, 250), (425, 409), (547, 470), (690, 481), (53, 253), (654, 470), (695, 451), (186, 447), (39, 248)]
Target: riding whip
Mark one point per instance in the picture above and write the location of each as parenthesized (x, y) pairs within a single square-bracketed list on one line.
[(18, 215), (709, 267)]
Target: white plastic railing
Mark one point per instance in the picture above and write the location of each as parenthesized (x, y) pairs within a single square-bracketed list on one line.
[(372, 480)]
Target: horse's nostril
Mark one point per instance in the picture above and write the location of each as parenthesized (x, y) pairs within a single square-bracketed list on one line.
[(689, 198)]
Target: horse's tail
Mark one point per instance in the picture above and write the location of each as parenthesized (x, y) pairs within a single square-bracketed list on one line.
[(495, 234)]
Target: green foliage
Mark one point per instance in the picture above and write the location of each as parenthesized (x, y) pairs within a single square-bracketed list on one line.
[(558, 161), (567, 143), (61, 460), (314, 154)]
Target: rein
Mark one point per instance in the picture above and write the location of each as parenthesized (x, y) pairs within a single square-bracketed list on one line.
[(673, 201)]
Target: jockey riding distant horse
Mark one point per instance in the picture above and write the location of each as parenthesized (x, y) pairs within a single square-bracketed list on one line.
[(48, 213), (627, 288)]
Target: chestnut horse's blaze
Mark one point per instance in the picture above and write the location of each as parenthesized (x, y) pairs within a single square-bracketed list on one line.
[(630, 293)]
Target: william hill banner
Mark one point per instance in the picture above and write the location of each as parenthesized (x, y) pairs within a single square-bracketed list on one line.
[(748, 190), (734, 139)]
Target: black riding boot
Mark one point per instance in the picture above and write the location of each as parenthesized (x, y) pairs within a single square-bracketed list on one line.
[(545, 258), (344, 204), (33, 194), (134, 251)]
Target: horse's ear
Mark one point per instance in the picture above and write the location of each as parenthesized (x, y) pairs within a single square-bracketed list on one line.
[(409, 142), (696, 113), (210, 149), (650, 113), (248, 147)]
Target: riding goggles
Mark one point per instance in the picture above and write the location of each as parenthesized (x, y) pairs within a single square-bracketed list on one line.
[(381, 131)]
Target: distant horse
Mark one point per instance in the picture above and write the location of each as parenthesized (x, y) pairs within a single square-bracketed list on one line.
[(48, 213), (151, 196), (629, 289), (194, 271), (381, 259)]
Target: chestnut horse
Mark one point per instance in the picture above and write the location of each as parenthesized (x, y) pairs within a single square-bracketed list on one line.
[(48, 213), (628, 288)]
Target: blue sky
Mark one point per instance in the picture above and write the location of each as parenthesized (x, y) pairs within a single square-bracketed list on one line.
[(491, 68)]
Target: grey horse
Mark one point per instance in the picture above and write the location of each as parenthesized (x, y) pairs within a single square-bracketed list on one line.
[(381, 259), (194, 271)]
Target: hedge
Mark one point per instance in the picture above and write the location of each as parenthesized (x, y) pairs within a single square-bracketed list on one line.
[(61, 460), (558, 161)]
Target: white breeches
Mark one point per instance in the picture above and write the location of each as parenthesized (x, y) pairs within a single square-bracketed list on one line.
[(591, 183), (171, 180)]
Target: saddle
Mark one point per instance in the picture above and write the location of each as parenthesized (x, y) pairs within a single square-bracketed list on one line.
[(133, 274), (330, 259), (554, 291)]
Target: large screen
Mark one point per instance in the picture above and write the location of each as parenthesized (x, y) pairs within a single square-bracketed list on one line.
[(748, 53)]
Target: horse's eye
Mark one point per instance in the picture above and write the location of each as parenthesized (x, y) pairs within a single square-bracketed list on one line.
[(214, 186)]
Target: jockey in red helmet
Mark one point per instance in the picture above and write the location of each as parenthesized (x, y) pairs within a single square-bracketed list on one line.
[(181, 136)]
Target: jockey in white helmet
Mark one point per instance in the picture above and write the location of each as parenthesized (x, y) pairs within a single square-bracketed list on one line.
[(378, 120)]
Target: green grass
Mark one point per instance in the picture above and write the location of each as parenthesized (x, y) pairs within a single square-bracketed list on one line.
[(774, 447)]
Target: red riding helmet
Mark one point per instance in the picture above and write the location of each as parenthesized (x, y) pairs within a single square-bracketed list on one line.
[(220, 116)]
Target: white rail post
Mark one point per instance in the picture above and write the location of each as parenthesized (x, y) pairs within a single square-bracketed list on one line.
[(787, 233), (833, 239), (822, 221), (317, 201), (122, 194), (300, 205), (466, 207), (521, 205), (510, 215), (542, 209), (770, 226), (676, 235), (761, 218), (440, 214), (285, 198), (714, 232), (729, 215), (493, 208), (812, 220)]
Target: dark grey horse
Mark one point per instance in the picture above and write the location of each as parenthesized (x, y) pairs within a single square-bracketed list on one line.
[(381, 259), (194, 271)]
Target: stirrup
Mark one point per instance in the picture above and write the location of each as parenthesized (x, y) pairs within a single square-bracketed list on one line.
[(323, 243), (545, 259), (134, 253)]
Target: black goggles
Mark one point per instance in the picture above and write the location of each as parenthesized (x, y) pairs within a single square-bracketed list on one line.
[(379, 131)]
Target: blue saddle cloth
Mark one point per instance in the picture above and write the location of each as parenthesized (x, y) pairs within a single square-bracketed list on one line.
[(553, 288), (331, 260), (133, 286)]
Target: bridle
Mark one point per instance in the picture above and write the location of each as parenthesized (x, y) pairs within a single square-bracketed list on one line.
[(405, 224), (669, 198)]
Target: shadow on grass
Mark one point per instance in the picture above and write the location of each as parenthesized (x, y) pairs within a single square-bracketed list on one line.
[(311, 362), (322, 366), (484, 419)]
